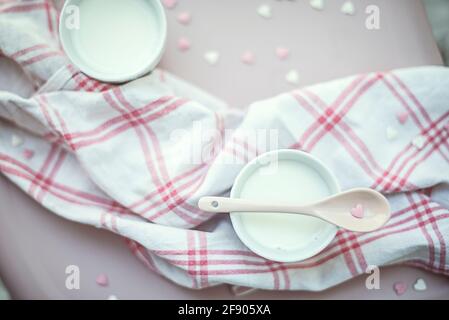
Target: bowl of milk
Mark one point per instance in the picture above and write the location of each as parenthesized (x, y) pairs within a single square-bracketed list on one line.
[(284, 176), (113, 40)]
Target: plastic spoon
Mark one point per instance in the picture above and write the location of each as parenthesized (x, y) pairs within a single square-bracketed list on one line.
[(360, 210)]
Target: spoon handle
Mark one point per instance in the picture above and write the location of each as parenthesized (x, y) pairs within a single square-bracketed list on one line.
[(224, 205)]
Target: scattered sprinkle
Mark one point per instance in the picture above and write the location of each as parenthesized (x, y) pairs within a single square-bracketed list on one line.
[(282, 53), (184, 17), (16, 141), (419, 142), (183, 44), (392, 133), (292, 77), (169, 4), (447, 127), (400, 288), (358, 211), (402, 117), (420, 285), (265, 11), (102, 280), (112, 297), (248, 57), (212, 57), (348, 8), (317, 4), (28, 154)]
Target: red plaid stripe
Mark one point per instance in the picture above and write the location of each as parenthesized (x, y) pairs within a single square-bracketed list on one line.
[(336, 249), (331, 120), (42, 171), (408, 158), (173, 199), (85, 83), (191, 254), (426, 211), (59, 190), (20, 7), (25, 51), (75, 143)]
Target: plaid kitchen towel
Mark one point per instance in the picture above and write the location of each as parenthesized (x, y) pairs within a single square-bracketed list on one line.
[(135, 159)]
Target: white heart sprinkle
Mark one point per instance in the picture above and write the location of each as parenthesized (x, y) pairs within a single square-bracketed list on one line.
[(391, 133), (317, 4), (420, 285), (292, 77), (16, 141), (212, 57), (348, 8), (419, 142), (112, 297), (265, 11)]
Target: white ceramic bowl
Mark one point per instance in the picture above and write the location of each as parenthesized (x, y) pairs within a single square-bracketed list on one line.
[(112, 76), (319, 242)]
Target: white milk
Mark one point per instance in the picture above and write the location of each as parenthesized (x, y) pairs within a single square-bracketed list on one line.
[(115, 35), (291, 182)]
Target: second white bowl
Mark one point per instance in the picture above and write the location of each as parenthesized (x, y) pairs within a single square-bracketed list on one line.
[(284, 176)]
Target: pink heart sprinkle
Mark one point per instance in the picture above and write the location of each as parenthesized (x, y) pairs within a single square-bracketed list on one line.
[(282, 53), (248, 57), (447, 127), (169, 4), (102, 280), (400, 288), (402, 117), (358, 211), (28, 154), (183, 44), (184, 17)]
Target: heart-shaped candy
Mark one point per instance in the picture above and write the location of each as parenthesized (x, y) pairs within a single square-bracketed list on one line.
[(348, 8), (420, 285), (402, 117), (169, 4), (317, 4), (282, 53), (248, 57), (183, 44), (16, 141), (358, 211), (391, 133), (400, 288), (292, 77), (265, 11), (212, 57), (28, 154), (419, 142), (102, 280), (184, 17)]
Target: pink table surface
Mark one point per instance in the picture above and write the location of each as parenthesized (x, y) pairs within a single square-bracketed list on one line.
[(36, 246)]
